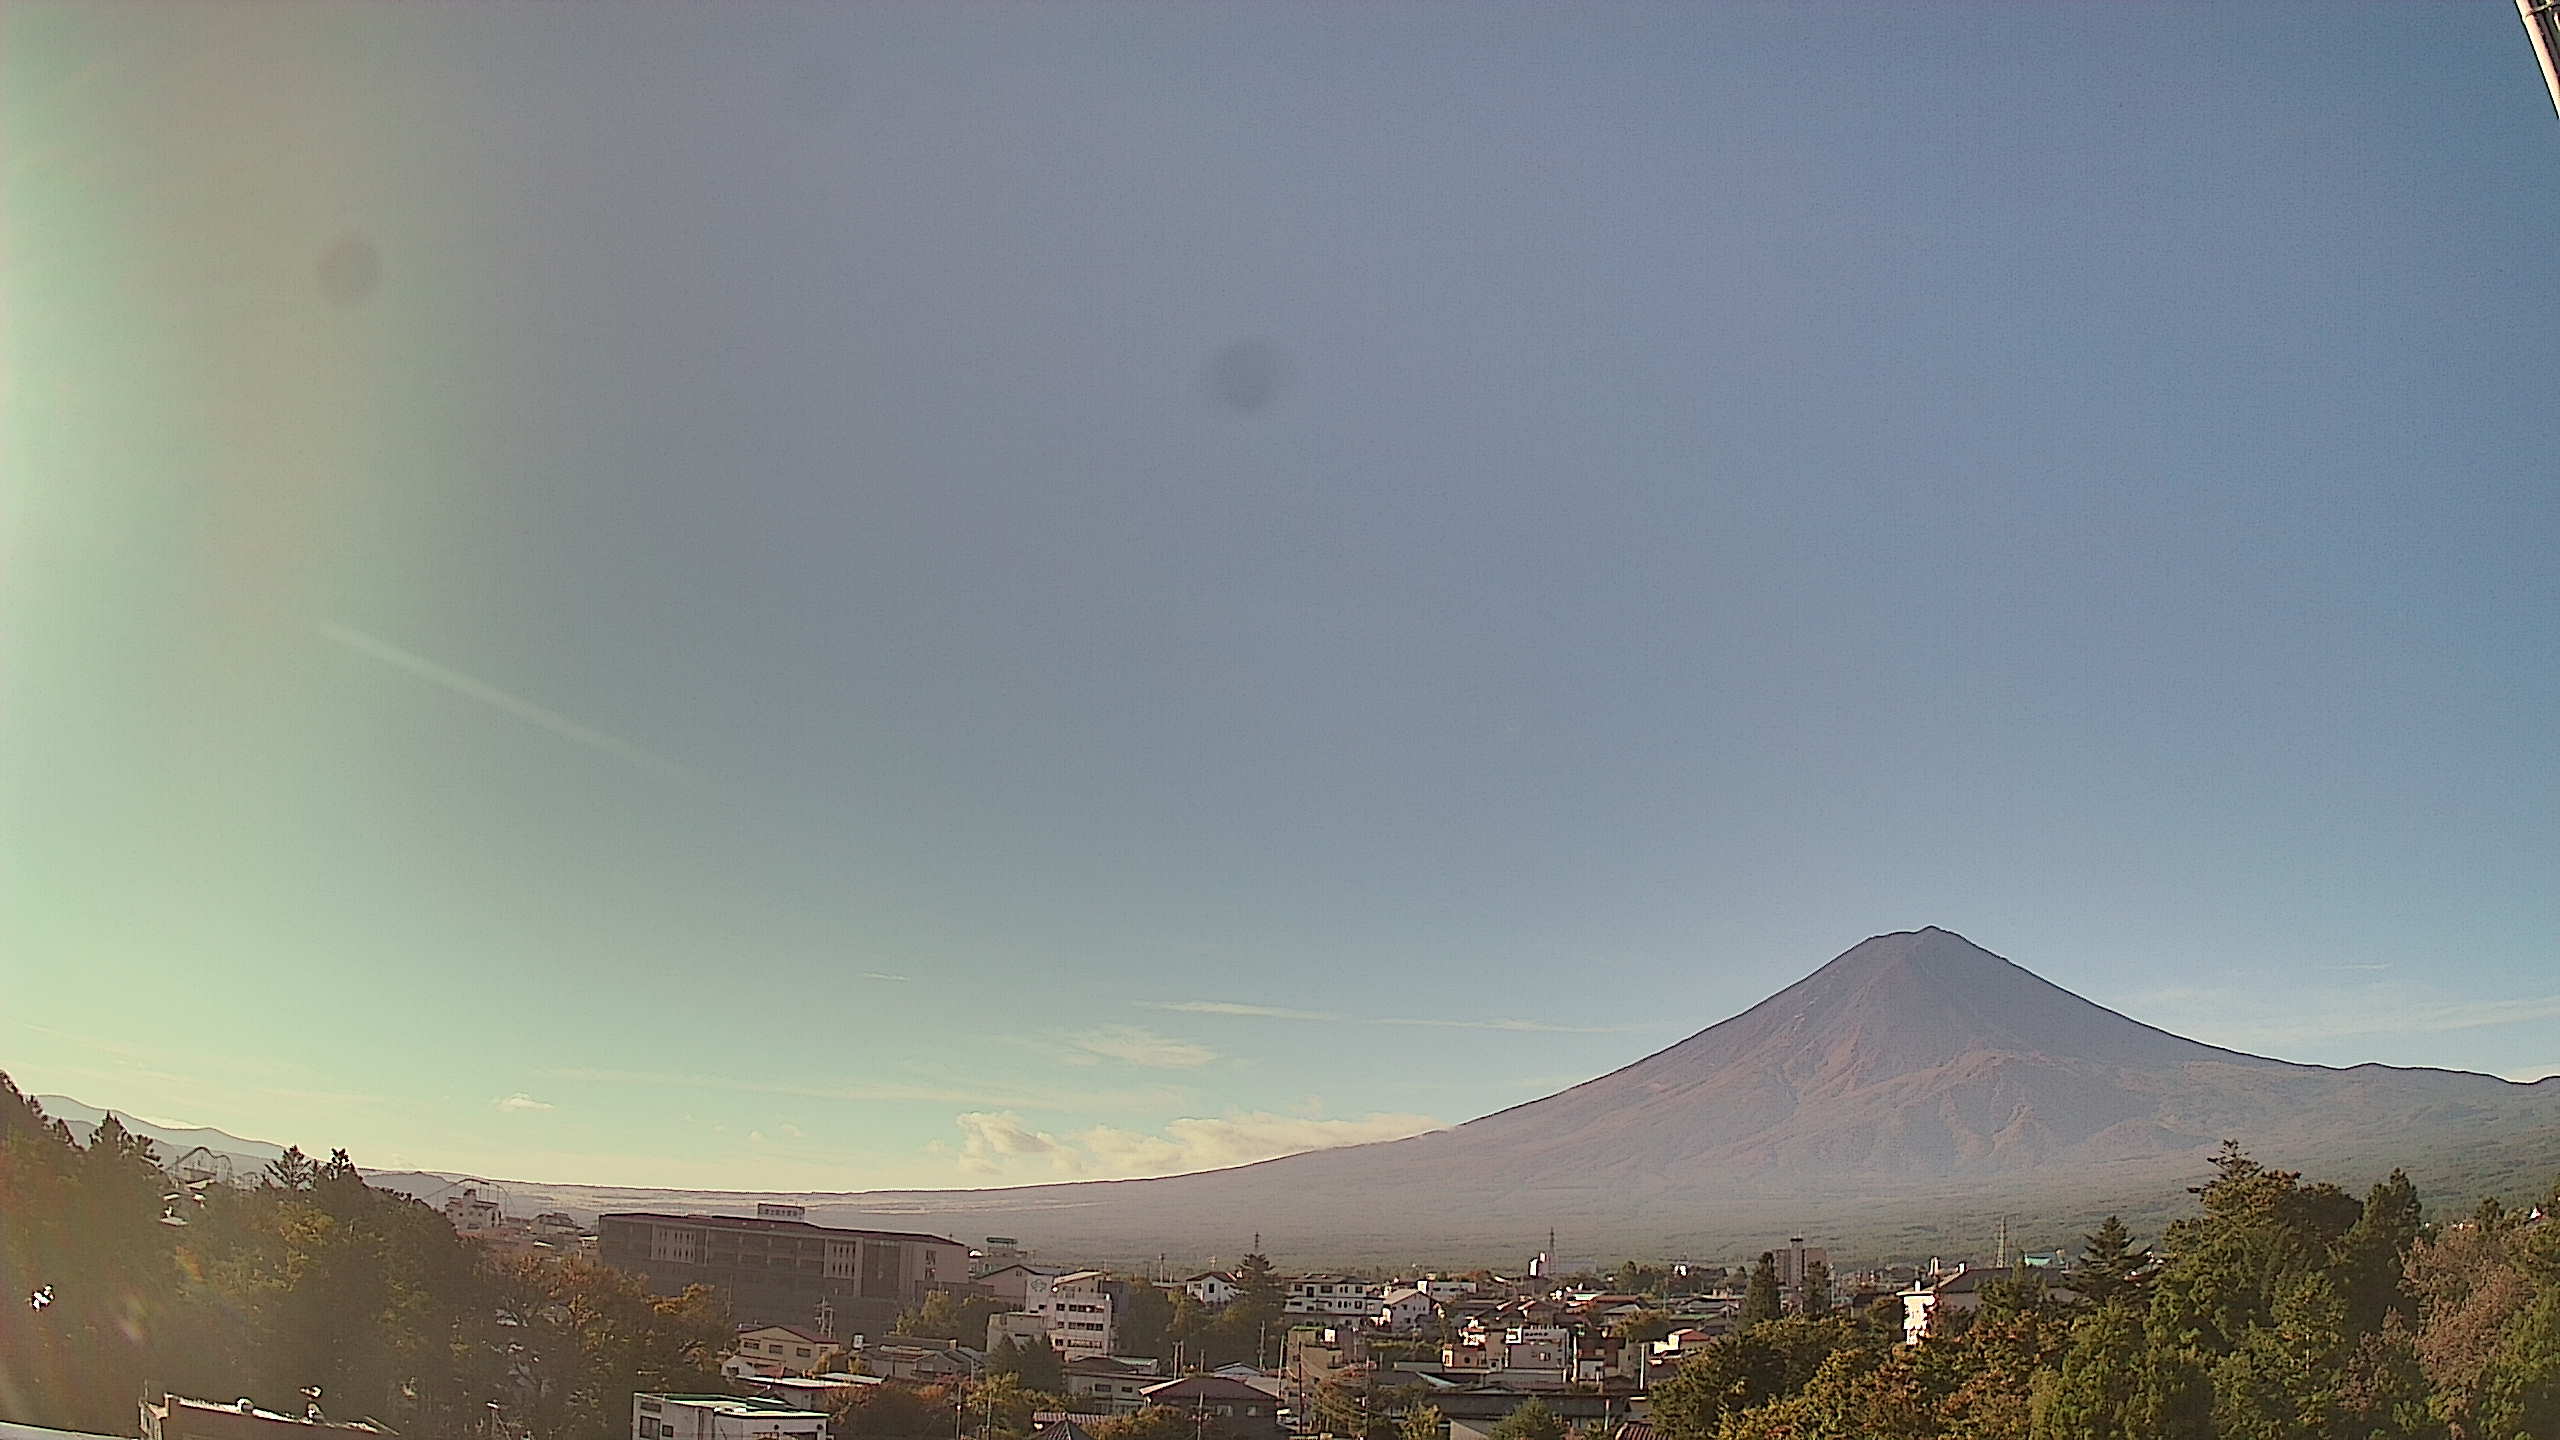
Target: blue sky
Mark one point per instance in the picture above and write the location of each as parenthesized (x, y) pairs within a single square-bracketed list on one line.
[(805, 597)]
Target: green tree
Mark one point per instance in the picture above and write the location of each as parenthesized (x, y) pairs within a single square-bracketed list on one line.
[(1817, 1290), (1761, 1299), (2094, 1396), (1530, 1420), (1031, 1364), (1145, 1320), (1159, 1422), (2110, 1266), (2520, 1385), (893, 1412), (1645, 1326), (1423, 1422), (2371, 1260), (1750, 1367), (1258, 1285)]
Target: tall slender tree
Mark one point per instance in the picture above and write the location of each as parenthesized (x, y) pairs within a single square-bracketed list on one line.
[(1762, 1300)]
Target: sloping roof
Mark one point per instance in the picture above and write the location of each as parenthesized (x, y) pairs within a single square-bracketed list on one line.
[(1062, 1430), (1204, 1387), (792, 1330), (1109, 1365)]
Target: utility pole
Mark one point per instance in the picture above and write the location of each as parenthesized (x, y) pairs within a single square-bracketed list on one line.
[(2542, 23)]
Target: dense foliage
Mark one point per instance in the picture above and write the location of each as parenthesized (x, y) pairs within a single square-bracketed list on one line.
[(118, 1279), (2280, 1311)]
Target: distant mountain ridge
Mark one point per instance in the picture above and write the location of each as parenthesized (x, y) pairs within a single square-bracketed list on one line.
[(171, 1141), (1913, 1087)]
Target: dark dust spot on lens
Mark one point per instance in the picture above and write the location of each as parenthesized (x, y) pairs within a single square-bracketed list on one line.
[(349, 270), (1246, 375)]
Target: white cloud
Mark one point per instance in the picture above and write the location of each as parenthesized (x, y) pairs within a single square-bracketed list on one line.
[(1000, 1145), (522, 1103), (1138, 1045), (892, 979), (1276, 1012), (991, 1141), (1237, 1007)]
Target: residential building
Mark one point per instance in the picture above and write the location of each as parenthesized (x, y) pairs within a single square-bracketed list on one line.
[(1242, 1410), (768, 1351), (471, 1212), (1107, 1386), (722, 1417), (923, 1362), (1212, 1288), (1957, 1290), (1076, 1309), (175, 1417), (1336, 1295), (776, 1271), (1403, 1310), (1444, 1289)]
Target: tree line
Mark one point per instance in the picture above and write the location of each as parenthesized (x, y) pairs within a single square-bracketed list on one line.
[(2280, 1310), (310, 1289)]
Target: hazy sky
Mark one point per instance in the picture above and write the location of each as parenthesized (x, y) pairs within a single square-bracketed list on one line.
[(909, 594)]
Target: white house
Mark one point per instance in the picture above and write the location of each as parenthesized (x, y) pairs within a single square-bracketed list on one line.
[(721, 1417), (1404, 1308), (1958, 1290), (1212, 1288)]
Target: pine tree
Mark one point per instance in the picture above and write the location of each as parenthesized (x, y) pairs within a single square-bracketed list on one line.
[(2110, 1267), (1761, 1300), (2373, 1257)]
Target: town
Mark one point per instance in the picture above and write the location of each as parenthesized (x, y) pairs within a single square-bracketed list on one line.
[(830, 1322)]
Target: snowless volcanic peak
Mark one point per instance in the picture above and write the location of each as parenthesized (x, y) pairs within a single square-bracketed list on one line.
[(1916, 1069)]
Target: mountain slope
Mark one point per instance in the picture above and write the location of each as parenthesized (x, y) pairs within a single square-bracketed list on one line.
[(1915, 1080), (170, 1141)]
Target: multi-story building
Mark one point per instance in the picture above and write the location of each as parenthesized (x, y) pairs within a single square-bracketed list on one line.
[(1331, 1295), (1793, 1262), (471, 1213), (787, 1272), (722, 1417), (1076, 1309)]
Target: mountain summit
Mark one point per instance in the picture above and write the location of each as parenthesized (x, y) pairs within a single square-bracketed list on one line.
[(1914, 1078)]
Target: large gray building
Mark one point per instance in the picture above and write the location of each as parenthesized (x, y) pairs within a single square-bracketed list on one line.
[(782, 1271)]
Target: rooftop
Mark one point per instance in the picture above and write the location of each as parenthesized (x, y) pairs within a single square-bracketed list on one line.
[(758, 1222), (738, 1405)]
